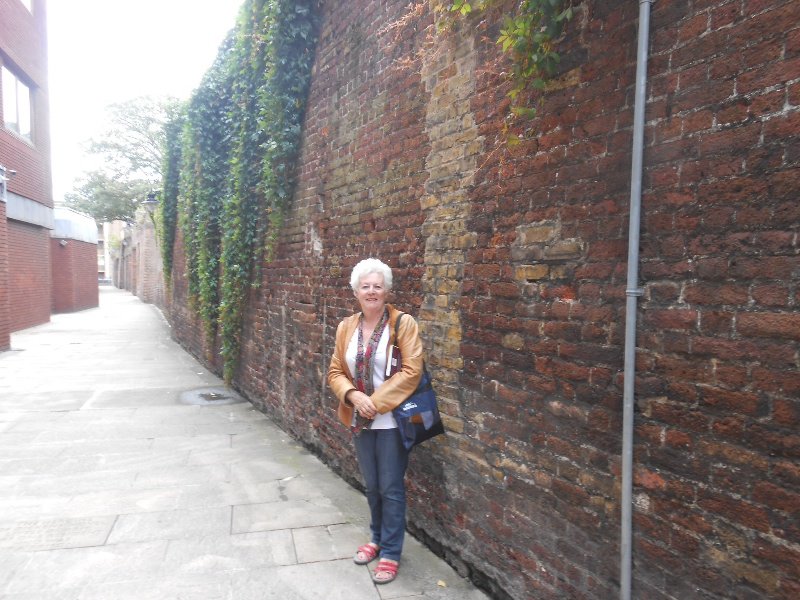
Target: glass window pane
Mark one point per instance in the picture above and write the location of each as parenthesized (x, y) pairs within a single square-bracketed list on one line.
[(16, 104), (24, 109)]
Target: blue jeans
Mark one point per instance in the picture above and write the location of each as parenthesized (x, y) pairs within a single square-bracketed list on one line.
[(383, 459)]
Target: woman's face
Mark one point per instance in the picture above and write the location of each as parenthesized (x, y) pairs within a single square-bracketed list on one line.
[(371, 293)]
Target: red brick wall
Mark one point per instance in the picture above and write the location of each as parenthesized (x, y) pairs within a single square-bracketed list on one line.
[(32, 180), (24, 36), (23, 43), (514, 263), (181, 314), (74, 275), (5, 319), (23, 39), (29, 275), (719, 391)]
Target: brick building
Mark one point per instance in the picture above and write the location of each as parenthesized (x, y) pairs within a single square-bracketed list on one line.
[(514, 262), (26, 214)]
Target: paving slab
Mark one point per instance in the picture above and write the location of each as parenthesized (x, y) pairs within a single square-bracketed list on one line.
[(224, 553), (171, 524), (51, 534), (129, 471), (48, 574), (324, 543)]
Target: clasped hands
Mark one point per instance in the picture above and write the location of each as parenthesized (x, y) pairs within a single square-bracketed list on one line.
[(362, 403)]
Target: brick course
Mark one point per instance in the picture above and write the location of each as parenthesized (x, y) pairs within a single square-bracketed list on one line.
[(514, 263)]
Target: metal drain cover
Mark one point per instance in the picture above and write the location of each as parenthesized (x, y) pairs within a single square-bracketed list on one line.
[(210, 396)]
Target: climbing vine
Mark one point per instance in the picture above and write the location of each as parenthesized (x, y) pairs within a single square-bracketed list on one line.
[(230, 160), (168, 208), (207, 186), (237, 156), (527, 35)]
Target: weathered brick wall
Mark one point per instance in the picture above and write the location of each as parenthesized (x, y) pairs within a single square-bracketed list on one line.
[(359, 195), (74, 268), (187, 327), (150, 278), (514, 264), (138, 267), (28, 275), (718, 484)]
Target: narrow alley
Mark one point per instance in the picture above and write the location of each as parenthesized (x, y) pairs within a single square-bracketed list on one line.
[(127, 470)]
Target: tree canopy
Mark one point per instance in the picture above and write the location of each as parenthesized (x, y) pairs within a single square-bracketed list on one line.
[(107, 198), (130, 153)]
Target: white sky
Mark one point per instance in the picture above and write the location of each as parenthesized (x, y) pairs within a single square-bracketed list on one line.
[(107, 51)]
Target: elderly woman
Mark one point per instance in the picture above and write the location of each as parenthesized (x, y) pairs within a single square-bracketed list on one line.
[(358, 377)]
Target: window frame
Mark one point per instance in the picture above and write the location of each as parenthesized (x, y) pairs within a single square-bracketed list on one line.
[(18, 100)]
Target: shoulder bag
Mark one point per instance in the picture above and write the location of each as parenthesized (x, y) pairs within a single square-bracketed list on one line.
[(418, 415)]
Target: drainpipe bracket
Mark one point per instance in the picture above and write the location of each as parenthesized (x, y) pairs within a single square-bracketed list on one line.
[(637, 292)]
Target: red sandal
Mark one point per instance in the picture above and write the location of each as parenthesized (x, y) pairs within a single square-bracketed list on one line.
[(385, 567), (369, 553)]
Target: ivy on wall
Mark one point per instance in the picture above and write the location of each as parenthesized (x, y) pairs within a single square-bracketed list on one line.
[(527, 35), (168, 213), (206, 185), (230, 160), (237, 153)]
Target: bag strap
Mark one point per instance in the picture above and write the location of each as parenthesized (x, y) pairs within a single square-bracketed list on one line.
[(396, 326)]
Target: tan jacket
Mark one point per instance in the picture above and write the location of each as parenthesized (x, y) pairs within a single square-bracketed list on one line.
[(395, 389)]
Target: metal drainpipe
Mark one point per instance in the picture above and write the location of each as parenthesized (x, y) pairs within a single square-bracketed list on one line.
[(632, 293)]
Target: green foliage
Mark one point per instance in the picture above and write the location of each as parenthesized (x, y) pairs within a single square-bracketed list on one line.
[(130, 155), (168, 208), (527, 36), (205, 185), (134, 140), (106, 197), (239, 146)]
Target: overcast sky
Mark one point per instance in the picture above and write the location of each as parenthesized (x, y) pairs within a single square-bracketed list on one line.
[(108, 51)]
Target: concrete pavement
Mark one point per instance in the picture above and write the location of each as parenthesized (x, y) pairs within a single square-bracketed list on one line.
[(127, 470)]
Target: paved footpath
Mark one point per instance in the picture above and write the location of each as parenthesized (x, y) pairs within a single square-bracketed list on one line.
[(128, 471)]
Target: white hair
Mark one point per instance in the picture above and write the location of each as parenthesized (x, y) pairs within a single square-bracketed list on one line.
[(367, 267)]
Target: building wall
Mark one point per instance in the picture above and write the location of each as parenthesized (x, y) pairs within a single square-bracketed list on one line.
[(23, 49), (514, 263), (138, 267), (5, 317), (73, 253), (149, 276), (74, 265), (28, 275)]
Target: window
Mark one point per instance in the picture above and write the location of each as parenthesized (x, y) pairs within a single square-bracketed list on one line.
[(16, 105)]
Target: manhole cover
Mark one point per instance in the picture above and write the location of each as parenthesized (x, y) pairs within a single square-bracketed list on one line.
[(210, 397)]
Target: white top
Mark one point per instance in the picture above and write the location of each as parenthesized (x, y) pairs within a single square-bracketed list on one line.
[(386, 420)]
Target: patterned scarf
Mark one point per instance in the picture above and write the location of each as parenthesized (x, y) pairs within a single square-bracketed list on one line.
[(365, 357)]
